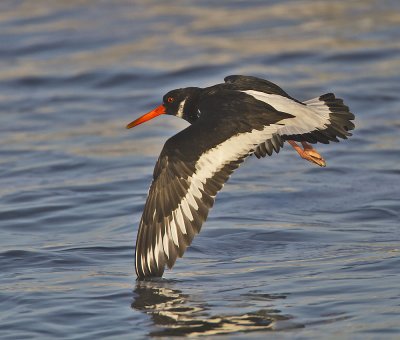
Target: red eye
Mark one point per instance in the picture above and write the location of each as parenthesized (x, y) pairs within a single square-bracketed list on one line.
[(170, 99)]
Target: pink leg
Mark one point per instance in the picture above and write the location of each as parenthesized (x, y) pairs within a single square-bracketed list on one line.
[(308, 153)]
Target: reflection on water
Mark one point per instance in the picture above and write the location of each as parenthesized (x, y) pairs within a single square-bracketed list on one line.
[(177, 314), (286, 245)]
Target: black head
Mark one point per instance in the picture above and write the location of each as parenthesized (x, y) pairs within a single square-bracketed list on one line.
[(181, 103)]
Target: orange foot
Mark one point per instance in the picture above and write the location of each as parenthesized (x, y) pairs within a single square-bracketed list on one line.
[(308, 153)]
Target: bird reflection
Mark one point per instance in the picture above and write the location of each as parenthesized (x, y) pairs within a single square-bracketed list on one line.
[(177, 314)]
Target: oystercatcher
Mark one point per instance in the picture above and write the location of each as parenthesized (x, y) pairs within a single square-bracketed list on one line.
[(229, 122)]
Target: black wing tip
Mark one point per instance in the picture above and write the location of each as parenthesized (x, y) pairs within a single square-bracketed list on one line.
[(148, 278), (145, 273), (275, 143)]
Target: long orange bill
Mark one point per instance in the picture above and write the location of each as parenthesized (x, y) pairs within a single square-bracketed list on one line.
[(150, 115)]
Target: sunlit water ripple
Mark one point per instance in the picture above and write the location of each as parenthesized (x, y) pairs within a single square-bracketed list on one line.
[(289, 248)]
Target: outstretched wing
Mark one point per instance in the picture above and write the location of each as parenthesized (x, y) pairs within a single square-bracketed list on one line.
[(193, 166), (179, 199), (321, 119)]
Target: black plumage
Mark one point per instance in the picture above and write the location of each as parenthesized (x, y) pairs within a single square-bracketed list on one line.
[(230, 121)]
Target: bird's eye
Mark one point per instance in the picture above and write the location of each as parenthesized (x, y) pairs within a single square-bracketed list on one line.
[(170, 99)]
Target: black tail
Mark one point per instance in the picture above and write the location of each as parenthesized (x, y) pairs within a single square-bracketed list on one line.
[(340, 121)]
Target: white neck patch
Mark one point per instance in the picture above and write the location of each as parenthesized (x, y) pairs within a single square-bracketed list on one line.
[(180, 109)]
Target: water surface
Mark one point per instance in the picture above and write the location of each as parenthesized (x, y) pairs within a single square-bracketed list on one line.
[(290, 249)]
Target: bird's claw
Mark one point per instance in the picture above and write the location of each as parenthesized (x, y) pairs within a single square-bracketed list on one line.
[(314, 157), (308, 153)]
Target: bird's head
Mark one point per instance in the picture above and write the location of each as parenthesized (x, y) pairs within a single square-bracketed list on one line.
[(181, 103)]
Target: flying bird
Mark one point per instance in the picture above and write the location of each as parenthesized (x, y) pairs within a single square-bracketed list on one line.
[(230, 121)]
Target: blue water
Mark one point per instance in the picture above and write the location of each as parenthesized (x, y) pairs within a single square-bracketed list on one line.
[(290, 250)]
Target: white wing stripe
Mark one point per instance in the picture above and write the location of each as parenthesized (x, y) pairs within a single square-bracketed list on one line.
[(186, 210), (195, 188), (179, 216), (157, 248), (165, 244), (149, 256), (173, 232), (143, 264), (318, 105), (192, 201), (208, 164), (307, 117)]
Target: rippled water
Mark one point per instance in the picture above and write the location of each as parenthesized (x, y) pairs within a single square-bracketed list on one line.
[(289, 249)]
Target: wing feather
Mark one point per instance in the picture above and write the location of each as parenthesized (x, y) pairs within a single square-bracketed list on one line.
[(178, 203)]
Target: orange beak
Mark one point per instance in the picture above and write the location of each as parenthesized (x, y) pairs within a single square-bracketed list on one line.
[(150, 115)]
